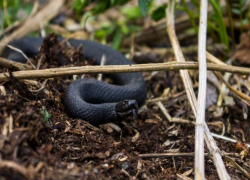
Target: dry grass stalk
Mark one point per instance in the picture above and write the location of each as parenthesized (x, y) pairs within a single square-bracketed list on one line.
[(164, 111), (170, 66), (200, 118), (14, 65), (22, 53), (239, 94), (162, 155), (16, 168), (214, 150), (180, 58), (237, 166)]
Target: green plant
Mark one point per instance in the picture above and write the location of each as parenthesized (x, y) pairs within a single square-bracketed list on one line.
[(191, 15), (238, 8), (143, 4), (99, 6), (118, 28), (217, 18), (9, 10), (46, 114), (159, 12)]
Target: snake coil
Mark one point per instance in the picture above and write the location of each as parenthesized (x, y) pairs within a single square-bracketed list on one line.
[(87, 98)]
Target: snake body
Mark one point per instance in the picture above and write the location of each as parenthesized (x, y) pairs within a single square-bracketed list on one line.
[(88, 99)]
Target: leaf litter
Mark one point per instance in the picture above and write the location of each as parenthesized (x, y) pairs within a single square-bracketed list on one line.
[(50, 145)]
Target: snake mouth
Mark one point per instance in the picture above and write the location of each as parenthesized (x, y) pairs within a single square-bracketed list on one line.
[(127, 109)]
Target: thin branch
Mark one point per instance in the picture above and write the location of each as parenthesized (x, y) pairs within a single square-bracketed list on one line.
[(179, 56), (214, 59), (164, 111), (103, 61), (237, 166), (200, 118), (14, 65), (169, 66), (211, 144), (15, 167), (100, 78), (21, 52), (239, 94), (164, 155), (180, 120), (226, 138)]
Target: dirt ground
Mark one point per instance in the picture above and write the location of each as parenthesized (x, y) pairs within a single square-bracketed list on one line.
[(65, 148), (39, 141)]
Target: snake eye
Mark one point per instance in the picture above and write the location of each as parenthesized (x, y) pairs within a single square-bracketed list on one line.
[(126, 109)]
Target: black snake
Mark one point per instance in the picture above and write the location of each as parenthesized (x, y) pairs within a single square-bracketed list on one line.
[(88, 99)]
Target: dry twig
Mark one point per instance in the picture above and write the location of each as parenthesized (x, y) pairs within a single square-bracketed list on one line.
[(214, 150), (170, 66), (164, 155), (237, 166), (14, 65), (15, 166), (22, 53), (200, 118), (239, 94), (179, 57), (164, 111)]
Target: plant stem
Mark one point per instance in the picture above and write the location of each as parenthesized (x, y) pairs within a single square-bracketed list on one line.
[(170, 66), (190, 16), (223, 30)]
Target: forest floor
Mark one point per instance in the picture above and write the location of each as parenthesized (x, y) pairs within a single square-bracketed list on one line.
[(36, 145)]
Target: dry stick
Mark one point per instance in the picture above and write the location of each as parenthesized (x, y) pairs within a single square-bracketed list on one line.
[(180, 120), (180, 58), (225, 155), (165, 97), (9, 28), (33, 23), (170, 66), (103, 61), (22, 53), (15, 167), (41, 88), (211, 144), (163, 155), (200, 118), (182, 177), (185, 121), (236, 165), (214, 59), (222, 88), (99, 78), (227, 139), (164, 111), (239, 94), (14, 65)]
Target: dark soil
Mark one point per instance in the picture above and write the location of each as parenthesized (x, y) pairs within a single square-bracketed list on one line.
[(66, 148)]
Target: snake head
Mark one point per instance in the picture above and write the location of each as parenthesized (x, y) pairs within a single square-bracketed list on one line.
[(126, 109)]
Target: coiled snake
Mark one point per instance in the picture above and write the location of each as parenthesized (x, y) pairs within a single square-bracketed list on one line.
[(88, 99)]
